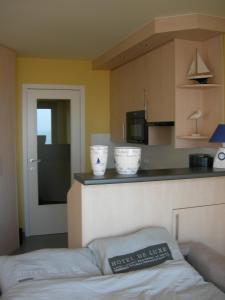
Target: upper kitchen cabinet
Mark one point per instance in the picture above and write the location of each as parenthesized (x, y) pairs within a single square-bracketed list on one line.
[(160, 84), (118, 88), (137, 80), (127, 93), (146, 83)]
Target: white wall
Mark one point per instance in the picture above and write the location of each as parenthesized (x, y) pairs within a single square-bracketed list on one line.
[(153, 157), (163, 157)]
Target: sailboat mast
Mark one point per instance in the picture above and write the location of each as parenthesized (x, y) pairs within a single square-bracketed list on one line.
[(196, 61)]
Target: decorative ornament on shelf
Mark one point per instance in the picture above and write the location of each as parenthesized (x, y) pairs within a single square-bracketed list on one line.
[(198, 70), (219, 137), (196, 115)]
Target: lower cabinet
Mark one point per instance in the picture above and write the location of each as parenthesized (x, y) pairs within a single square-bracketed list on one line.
[(190, 209), (204, 224)]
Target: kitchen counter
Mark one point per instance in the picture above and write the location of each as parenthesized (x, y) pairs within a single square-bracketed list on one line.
[(111, 176), (189, 203)]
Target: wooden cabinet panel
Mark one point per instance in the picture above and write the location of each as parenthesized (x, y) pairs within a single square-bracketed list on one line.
[(160, 84), (203, 224), (198, 203), (144, 83), (167, 82), (154, 85), (127, 85), (117, 105), (137, 84), (8, 200)]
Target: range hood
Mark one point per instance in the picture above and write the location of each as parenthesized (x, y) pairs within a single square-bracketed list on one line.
[(164, 123)]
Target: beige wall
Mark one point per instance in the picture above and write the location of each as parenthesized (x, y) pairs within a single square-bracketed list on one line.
[(56, 71)]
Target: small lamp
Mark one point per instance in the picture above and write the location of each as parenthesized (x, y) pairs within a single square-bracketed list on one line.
[(219, 137)]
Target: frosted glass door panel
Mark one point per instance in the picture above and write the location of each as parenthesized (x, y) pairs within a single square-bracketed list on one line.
[(53, 148)]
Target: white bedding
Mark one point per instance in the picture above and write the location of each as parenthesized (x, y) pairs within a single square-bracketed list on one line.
[(172, 280)]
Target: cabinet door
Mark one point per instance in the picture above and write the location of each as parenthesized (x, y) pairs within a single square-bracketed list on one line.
[(160, 85), (168, 82), (136, 82), (127, 85), (203, 224), (117, 105)]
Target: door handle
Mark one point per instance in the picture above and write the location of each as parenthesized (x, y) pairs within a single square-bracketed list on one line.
[(145, 106), (33, 160)]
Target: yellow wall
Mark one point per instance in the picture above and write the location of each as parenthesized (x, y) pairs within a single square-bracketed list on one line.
[(56, 71)]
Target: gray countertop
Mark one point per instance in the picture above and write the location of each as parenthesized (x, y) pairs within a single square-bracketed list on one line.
[(111, 177)]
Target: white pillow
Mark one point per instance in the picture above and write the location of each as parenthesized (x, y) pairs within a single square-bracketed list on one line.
[(142, 249), (46, 264)]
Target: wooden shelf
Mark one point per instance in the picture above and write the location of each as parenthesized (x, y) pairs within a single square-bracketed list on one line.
[(191, 137), (199, 86)]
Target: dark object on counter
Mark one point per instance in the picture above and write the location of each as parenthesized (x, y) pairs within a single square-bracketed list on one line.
[(200, 160)]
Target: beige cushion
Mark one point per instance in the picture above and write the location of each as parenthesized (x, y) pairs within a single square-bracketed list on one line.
[(209, 263)]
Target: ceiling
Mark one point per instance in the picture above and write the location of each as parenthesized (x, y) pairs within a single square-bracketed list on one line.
[(84, 29)]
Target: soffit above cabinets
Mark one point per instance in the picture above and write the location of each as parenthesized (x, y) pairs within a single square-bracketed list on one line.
[(195, 27)]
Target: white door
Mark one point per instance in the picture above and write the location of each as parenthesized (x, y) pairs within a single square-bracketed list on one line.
[(54, 146)]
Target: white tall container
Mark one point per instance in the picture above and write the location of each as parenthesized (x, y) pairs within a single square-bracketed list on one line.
[(127, 160), (99, 156)]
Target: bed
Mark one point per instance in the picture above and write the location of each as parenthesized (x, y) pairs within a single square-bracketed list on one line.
[(147, 264)]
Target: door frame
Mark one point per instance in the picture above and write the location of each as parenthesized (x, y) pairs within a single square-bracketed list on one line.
[(25, 89)]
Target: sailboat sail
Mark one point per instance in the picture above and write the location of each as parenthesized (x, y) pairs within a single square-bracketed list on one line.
[(198, 69), (192, 69), (201, 67)]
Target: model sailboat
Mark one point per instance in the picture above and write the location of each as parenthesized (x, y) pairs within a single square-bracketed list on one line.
[(198, 70)]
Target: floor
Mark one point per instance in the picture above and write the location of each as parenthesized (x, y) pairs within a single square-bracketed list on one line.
[(43, 241)]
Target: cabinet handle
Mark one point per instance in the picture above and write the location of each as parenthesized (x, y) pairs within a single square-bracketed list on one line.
[(146, 111), (177, 227), (124, 131), (145, 105)]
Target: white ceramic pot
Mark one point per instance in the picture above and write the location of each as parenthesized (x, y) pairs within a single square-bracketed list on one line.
[(127, 160), (99, 156)]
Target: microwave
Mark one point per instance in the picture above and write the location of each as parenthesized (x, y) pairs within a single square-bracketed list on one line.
[(136, 127)]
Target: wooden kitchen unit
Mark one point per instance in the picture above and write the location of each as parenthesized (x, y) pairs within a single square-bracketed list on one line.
[(146, 83), (149, 72), (188, 203)]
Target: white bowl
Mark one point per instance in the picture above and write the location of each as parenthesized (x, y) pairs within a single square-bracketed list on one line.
[(127, 160)]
